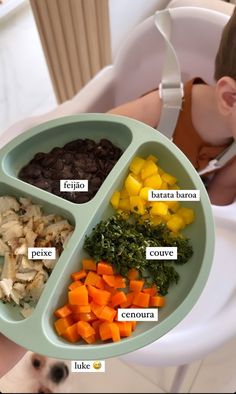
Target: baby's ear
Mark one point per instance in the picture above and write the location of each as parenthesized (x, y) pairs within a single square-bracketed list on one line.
[(226, 95)]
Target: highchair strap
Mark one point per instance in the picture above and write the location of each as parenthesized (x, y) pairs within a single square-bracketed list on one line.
[(171, 92), (171, 87)]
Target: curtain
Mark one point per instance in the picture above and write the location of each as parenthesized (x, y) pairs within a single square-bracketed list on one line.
[(75, 37)]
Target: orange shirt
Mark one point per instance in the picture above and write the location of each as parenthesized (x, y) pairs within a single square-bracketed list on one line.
[(186, 137)]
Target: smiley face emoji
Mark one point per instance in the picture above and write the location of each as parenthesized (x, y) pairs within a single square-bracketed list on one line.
[(97, 364)]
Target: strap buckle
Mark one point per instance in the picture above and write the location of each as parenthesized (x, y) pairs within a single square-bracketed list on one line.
[(171, 94)]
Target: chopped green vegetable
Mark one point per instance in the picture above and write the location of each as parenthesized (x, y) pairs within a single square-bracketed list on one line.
[(123, 243)]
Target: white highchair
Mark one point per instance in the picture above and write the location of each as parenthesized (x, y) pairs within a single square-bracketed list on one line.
[(137, 68)]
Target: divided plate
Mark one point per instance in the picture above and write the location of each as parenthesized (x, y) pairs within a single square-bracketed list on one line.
[(36, 333)]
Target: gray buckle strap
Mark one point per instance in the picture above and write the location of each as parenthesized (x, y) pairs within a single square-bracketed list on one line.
[(220, 160), (171, 87)]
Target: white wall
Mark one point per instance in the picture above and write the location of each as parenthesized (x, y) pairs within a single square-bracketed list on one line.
[(125, 14)]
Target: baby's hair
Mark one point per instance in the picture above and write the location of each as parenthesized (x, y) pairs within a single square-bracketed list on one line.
[(225, 62)]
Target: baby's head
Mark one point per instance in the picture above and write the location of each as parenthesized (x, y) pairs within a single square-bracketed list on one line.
[(225, 73)]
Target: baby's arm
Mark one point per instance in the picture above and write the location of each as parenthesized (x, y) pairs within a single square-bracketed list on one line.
[(222, 188), (146, 109), (10, 354)]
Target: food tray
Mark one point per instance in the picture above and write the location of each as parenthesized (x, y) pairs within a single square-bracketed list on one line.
[(37, 333)]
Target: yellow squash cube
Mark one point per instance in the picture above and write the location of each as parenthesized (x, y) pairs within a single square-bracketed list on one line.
[(124, 204), (144, 193), (187, 214), (175, 223), (152, 157), (158, 208), (149, 168), (136, 165), (170, 179), (153, 181), (124, 193), (173, 205), (115, 198), (137, 204), (132, 185)]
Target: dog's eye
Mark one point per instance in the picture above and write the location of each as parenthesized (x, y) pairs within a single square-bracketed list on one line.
[(36, 363)]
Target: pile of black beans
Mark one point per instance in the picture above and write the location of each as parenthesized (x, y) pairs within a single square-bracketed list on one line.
[(78, 159)]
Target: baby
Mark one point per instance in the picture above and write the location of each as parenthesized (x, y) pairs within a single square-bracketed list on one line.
[(207, 122)]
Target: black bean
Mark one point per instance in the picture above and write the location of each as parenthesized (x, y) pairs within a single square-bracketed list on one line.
[(78, 159)]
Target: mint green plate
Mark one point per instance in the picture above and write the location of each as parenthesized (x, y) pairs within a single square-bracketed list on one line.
[(36, 333)]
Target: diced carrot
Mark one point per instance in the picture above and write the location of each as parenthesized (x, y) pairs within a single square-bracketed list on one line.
[(81, 308), (90, 316), (62, 324), (104, 268), (136, 285), (79, 296), (64, 311), (101, 297), (92, 278), (152, 291), (109, 279), (129, 300), (111, 290), (89, 265), (125, 328), (158, 301), (118, 298), (100, 283), (95, 325), (105, 331), (120, 282), (75, 284), (71, 334), (90, 339), (141, 299), (133, 274), (134, 324), (107, 314), (115, 332), (96, 309), (85, 329), (78, 275), (91, 290)]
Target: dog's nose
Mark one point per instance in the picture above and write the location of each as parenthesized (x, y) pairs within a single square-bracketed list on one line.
[(59, 372)]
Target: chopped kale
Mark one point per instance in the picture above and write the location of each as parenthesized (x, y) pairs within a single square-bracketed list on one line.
[(123, 243)]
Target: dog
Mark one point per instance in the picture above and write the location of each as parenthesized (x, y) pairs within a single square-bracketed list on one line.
[(37, 374)]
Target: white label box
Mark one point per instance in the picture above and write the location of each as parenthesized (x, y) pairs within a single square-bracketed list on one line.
[(41, 253), (88, 366), (137, 314), (161, 253), (73, 185), (174, 195)]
